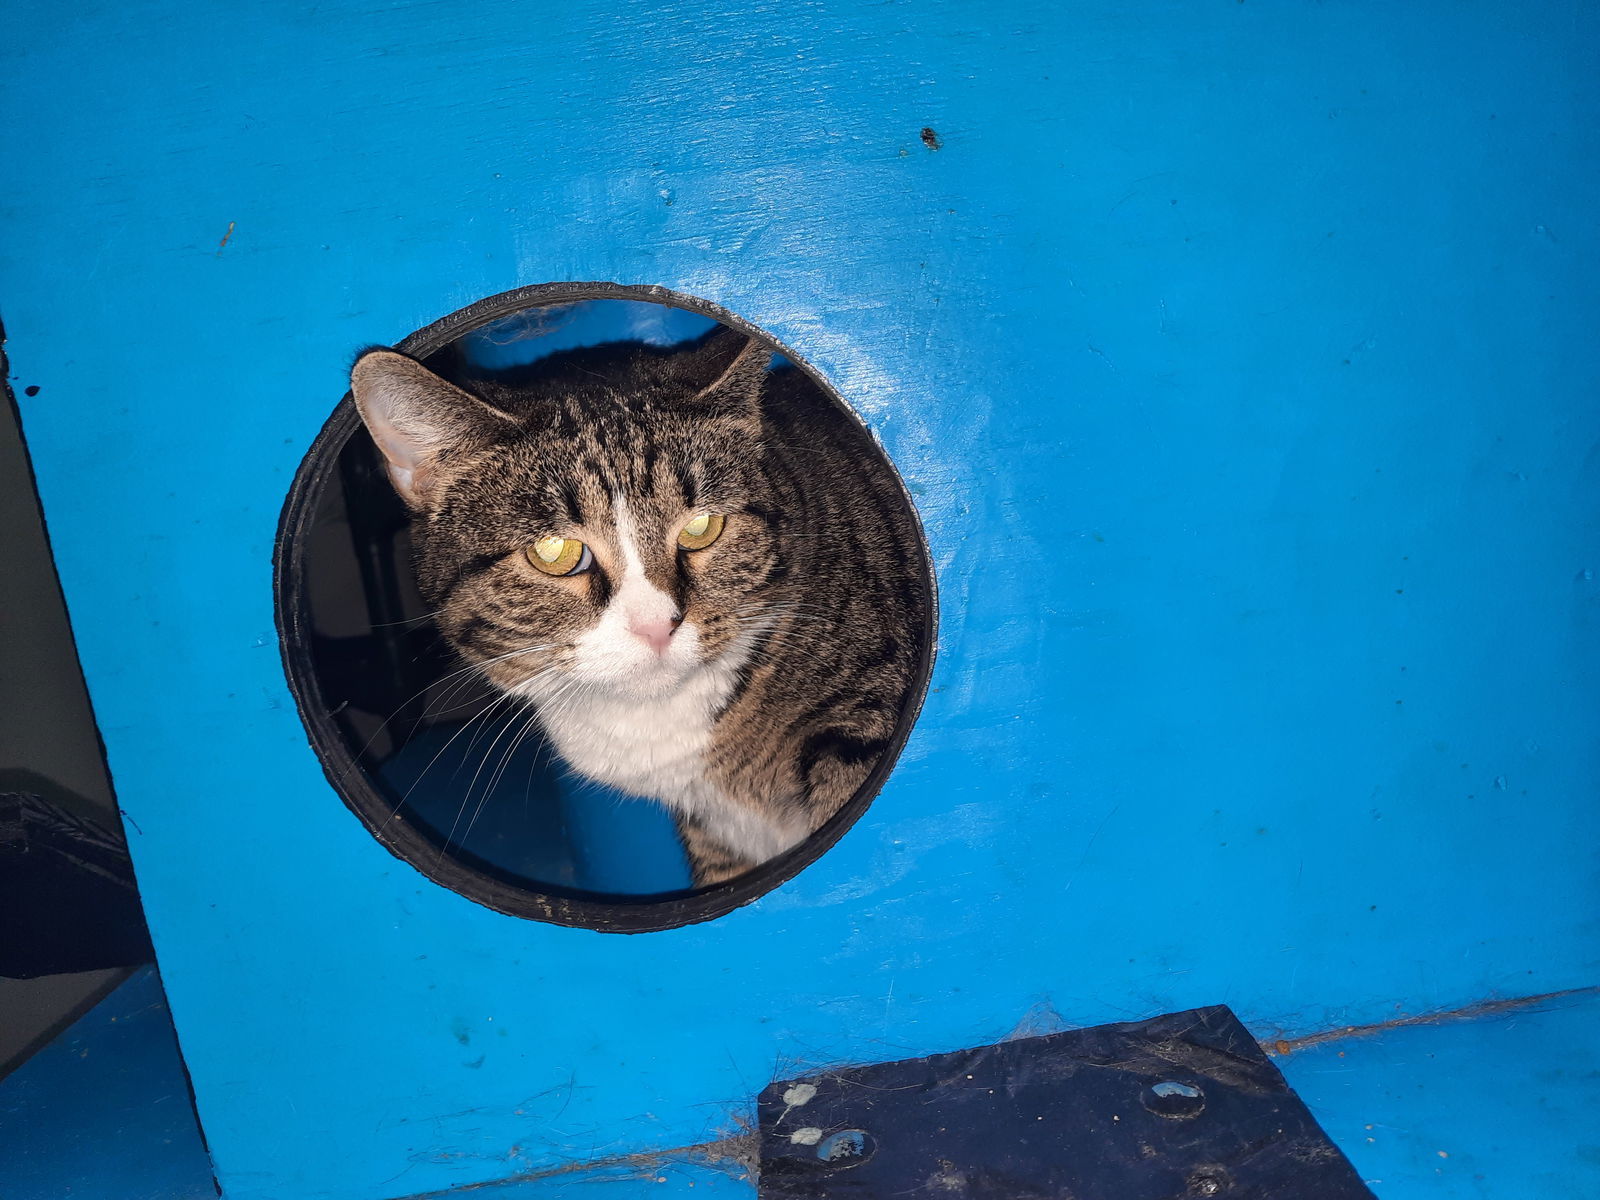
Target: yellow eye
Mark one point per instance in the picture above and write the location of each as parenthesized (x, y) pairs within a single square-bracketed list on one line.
[(559, 556), (701, 531)]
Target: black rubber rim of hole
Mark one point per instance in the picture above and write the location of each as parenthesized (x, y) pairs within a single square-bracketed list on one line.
[(476, 881)]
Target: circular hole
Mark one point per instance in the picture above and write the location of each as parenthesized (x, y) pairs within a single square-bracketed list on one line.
[(601, 607), (1174, 1099), (846, 1148)]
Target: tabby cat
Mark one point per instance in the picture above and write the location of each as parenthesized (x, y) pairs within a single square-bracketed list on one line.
[(696, 569)]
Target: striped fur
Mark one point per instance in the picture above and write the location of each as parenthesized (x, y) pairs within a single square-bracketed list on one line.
[(801, 626)]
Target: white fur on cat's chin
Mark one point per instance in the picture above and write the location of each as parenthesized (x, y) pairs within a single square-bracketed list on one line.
[(641, 722)]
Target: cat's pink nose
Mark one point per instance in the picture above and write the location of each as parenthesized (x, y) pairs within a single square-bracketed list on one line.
[(655, 634)]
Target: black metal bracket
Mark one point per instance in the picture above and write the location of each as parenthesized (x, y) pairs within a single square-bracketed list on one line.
[(1183, 1105)]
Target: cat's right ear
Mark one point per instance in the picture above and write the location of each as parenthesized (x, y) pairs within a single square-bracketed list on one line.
[(415, 418), (735, 394)]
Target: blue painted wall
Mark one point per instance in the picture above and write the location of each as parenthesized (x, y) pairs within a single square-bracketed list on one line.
[(1241, 358)]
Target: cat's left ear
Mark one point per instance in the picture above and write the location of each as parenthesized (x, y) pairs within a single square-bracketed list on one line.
[(418, 420), (736, 393)]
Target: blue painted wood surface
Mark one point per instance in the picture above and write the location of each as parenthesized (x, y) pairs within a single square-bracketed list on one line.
[(1494, 1109), (1240, 358), (103, 1111)]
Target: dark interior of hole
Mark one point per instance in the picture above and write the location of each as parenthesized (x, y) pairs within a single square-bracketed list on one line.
[(470, 772)]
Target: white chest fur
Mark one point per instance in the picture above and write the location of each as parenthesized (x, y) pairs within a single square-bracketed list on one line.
[(656, 747), (650, 746)]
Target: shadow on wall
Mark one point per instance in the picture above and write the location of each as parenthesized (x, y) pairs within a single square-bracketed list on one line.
[(65, 937)]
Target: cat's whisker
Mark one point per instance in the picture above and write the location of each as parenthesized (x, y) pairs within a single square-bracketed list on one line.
[(489, 787), (366, 747), (482, 715), (775, 629), (473, 783), (461, 697), (422, 774), (779, 607), (501, 700), (500, 658), (810, 650), (466, 672), (796, 606), (407, 621), (454, 689), (780, 618), (478, 668), (558, 702), (528, 725)]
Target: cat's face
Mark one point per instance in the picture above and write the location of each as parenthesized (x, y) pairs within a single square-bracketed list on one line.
[(604, 533)]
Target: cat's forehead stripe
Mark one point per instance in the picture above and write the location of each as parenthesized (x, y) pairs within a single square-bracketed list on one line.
[(571, 500), (688, 482)]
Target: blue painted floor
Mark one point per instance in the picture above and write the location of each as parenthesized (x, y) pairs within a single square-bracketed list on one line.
[(103, 1112), (1501, 1108), (1504, 1108)]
